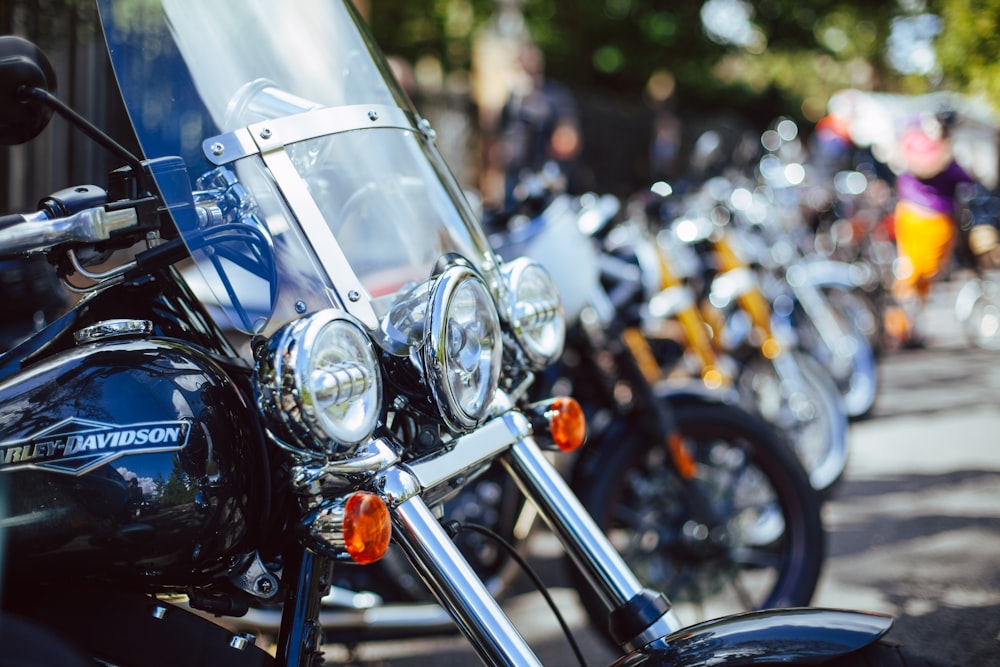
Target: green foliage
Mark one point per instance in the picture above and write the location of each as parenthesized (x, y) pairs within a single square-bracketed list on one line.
[(614, 46), (968, 47)]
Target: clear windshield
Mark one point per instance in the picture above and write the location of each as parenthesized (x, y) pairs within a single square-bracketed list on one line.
[(311, 182)]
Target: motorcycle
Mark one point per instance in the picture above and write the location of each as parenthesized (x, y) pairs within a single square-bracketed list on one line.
[(391, 369), (774, 376), (704, 499)]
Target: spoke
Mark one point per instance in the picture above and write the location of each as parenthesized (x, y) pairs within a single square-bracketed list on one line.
[(761, 558)]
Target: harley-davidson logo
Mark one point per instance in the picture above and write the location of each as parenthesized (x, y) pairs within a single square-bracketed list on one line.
[(76, 446)]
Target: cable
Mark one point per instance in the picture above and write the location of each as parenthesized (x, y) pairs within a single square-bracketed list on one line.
[(454, 528)]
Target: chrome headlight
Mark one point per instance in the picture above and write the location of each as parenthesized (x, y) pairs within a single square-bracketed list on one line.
[(462, 351), (319, 383), (535, 311)]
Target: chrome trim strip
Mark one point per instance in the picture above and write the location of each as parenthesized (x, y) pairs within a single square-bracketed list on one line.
[(113, 329), (279, 132)]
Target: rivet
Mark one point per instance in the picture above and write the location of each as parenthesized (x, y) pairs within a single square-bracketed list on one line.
[(300, 307), (218, 148), (354, 295), (373, 115)]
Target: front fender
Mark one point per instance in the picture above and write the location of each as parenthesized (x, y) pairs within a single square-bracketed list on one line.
[(802, 635), (830, 273)]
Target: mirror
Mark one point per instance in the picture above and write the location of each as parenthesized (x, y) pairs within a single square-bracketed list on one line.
[(23, 64)]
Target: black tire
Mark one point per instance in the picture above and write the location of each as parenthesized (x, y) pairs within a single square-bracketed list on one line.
[(747, 473), (884, 653)]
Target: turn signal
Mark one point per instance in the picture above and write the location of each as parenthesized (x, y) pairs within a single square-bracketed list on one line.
[(567, 423), (367, 527)]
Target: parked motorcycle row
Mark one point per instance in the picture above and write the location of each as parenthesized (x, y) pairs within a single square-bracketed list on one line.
[(307, 396)]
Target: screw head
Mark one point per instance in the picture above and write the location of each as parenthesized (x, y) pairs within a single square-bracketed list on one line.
[(265, 133)]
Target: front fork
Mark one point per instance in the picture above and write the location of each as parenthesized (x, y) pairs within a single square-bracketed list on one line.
[(638, 615)]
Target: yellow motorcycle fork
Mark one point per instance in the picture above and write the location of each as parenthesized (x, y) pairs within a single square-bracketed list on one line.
[(641, 352), (696, 333), (752, 300)]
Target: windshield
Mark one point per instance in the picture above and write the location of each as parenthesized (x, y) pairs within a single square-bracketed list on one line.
[(310, 181)]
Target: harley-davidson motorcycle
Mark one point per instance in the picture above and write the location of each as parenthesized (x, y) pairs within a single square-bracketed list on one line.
[(144, 461)]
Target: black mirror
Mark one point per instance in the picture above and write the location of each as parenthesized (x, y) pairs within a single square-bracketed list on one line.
[(23, 66)]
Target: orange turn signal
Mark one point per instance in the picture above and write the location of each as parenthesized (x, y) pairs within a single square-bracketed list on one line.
[(567, 423), (367, 527)]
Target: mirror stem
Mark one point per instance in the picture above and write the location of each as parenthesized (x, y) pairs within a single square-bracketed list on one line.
[(45, 97)]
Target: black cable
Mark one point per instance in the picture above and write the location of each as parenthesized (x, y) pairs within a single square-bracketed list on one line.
[(454, 527)]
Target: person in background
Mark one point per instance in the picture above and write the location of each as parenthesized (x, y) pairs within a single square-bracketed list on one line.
[(539, 125), (924, 219)]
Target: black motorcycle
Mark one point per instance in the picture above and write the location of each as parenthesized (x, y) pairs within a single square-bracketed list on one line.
[(392, 357), (704, 499)]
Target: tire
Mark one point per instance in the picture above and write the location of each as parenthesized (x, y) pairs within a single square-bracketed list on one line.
[(766, 547), (978, 310), (856, 372), (803, 401), (883, 653)]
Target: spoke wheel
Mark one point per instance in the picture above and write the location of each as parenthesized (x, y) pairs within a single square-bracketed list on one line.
[(744, 533)]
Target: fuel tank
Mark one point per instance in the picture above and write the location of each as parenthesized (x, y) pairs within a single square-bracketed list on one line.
[(132, 459)]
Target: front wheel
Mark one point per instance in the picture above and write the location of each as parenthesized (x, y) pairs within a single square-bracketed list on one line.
[(796, 393), (883, 653), (744, 532)]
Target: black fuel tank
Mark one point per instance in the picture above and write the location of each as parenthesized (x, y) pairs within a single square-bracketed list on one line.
[(130, 459)]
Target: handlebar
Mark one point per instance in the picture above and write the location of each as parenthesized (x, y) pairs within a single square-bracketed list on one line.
[(22, 234)]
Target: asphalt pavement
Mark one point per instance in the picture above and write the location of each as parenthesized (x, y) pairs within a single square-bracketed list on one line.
[(913, 529)]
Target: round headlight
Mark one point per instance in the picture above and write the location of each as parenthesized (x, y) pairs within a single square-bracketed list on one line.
[(463, 347), (319, 383), (535, 311)]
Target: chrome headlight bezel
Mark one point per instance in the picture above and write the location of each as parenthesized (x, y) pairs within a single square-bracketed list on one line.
[(534, 311), (296, 394), (448, 322)]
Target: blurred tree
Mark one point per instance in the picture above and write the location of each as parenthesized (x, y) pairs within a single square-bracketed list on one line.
[(968, 46), (730, 53)]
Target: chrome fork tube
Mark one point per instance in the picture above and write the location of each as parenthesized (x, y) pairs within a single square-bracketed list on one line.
[(644, 615), (456, 585)]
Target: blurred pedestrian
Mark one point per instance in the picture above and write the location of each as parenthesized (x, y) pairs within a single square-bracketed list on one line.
[(539, 124), (924, 219)]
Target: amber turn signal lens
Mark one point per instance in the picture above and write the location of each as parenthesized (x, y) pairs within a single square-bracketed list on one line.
[(367, 527), (567, 423)]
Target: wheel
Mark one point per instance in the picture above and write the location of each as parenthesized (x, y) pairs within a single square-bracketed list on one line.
[(796, 393), (978, 310), (851, 362), (744, 533), (883, 653)]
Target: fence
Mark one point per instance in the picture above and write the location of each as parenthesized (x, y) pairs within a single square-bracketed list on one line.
[(60, 157)]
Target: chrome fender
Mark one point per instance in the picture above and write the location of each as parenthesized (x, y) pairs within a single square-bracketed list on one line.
[(807, 635), (833, 273)]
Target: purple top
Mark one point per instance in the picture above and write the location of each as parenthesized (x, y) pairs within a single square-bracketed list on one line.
[(937, 192)]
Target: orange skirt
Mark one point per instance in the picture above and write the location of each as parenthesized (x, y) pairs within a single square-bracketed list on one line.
[(924, 241)]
